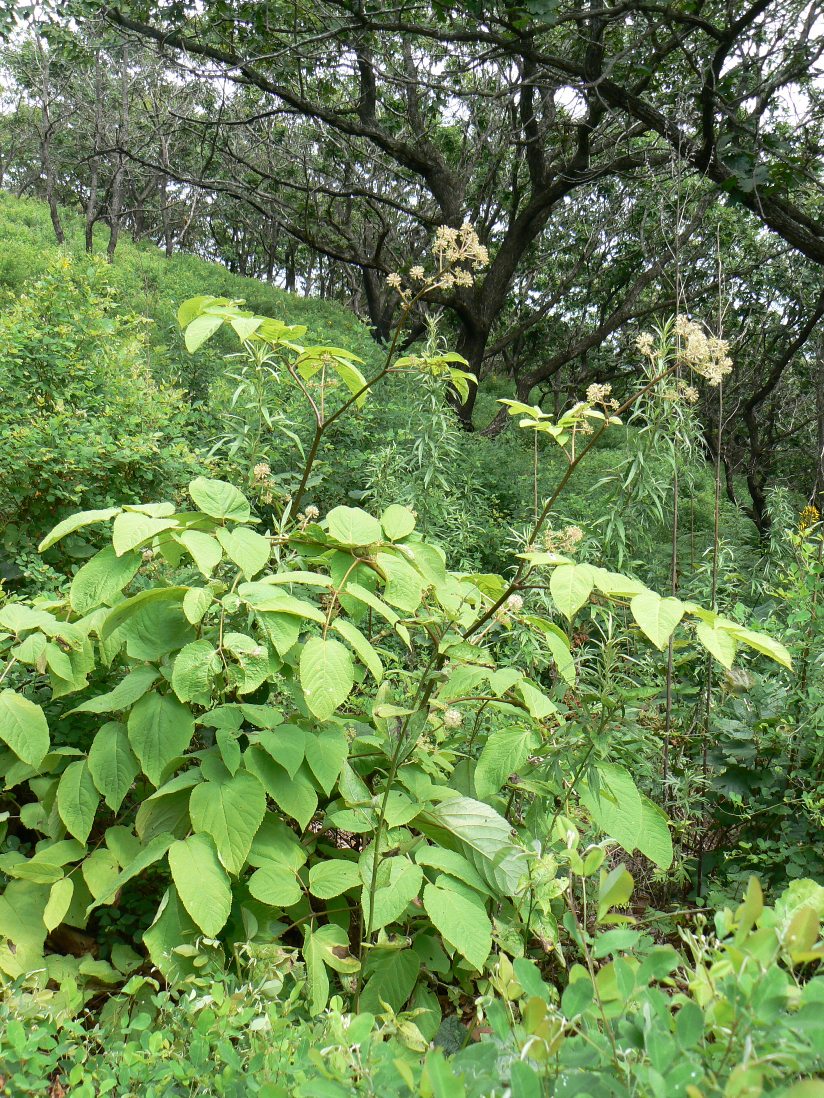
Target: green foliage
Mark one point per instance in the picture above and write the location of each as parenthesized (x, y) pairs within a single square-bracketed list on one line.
[(736, 1009), (83, 422), (262, 779)]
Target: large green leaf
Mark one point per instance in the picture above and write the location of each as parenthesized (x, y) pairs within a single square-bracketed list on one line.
[(77, 799), (657, 616), (404, 584), (219, 499), (326, 675), (482, 835), (249, 550), (333, 877), (558, 644), (504, 752), (23, 726), (126, 693), (392, 974), (199, 330), (326, 752), (767, 646), (362, 647), (463, 924), (60, 898), (132, 529), (327, 945), (102, 578), (718, 642), (294, 794), (171, 938), (275, 884), (570, 587), (654, 839), (397, 522), (398, 884), (203, 548), (201, 882), (152, 852), (193, 670), (615, 804), (76, 522), (151, 624), (286, 745), (230, 811), (22, 929), (160, 729), (112, 764), (353, 526)]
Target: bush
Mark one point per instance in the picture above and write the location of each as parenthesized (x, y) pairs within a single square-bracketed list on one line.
[(82, 423)]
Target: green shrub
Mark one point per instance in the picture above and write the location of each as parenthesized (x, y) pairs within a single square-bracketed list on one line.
[(82, 422)]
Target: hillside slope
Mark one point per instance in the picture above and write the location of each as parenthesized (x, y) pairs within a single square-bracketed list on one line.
[(153, 286)]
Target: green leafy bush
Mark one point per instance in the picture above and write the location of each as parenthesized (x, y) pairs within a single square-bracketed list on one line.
[(304, 734), (82, 422)]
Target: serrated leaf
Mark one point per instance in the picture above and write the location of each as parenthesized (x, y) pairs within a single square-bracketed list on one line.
[(201, 882), (112, 763), (326, 675), (102, 578), (656, 616), (230, 811), (77, 799), (76, 522), (131, 529), (23, 727), (461, 923), (219, 500), (160, 729)]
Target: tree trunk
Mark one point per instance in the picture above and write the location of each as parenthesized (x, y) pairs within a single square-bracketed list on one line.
[(116, 198), (46, 135)]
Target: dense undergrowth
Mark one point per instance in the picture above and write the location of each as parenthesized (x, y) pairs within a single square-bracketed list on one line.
[(352, 754)]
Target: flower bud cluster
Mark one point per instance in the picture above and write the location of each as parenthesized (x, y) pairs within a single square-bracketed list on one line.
[(458, 253), (563, 541)]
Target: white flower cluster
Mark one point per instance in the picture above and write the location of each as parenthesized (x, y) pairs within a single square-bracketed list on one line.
[(563, 541), (458, 252), (452, 718), (601, 394), (708, 356)]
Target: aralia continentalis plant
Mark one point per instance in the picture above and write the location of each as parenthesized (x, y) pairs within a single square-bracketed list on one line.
[(302, 741)]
